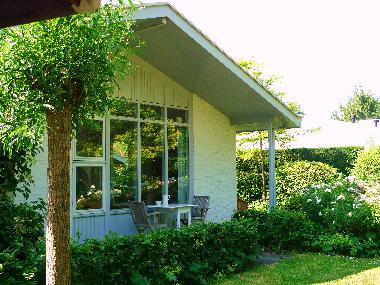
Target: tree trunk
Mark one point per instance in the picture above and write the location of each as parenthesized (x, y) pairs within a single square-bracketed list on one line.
[(262, 164), (58, 213)]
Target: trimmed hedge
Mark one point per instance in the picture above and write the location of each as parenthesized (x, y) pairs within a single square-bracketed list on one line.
[(281, 230), (249, 179), (192, 255), (367, 165)]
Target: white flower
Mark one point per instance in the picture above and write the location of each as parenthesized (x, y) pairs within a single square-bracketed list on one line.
[(318, 200), (309, 200), (332, 209), (340, 197), (350, 214), (328, 190), (92, 187), (320, 213)]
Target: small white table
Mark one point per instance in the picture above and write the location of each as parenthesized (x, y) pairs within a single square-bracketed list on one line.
[(175, 208)]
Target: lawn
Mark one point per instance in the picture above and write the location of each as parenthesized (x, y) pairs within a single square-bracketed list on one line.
[(311, 268)]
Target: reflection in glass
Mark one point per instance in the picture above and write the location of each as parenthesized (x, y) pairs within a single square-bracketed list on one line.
[(178, 173), (177, 115), (88, 187), (151, 112), (89, 139), (123, 107), (152, 160), (123, 154)]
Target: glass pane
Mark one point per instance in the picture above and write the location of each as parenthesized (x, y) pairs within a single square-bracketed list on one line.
[(178, 149), (177, 115), (152, 160), (151, 112), (89, 187), (123, 107), (123, 154), (89, 139)]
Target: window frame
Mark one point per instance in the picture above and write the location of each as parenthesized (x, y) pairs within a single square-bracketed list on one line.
[(105, 163)]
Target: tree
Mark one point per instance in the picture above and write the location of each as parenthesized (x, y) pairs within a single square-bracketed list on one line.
[(363, 104), (54, 75), (283, 137)]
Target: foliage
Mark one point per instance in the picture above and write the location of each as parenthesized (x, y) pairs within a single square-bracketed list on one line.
[(293, 177), (58, 74), (347, 245), (249, 179), (21, 242), (363, 104), (349, 213), (192, 255), (15, 171), (367, 165), (341, 158), (343, 206), (44, 63), (283, 137), (281, 230), (339, 217)]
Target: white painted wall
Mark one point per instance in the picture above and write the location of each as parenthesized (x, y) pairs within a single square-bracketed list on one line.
[(214, 159)]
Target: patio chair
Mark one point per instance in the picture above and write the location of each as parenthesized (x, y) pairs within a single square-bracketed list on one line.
[(142, 219), (199, 213)]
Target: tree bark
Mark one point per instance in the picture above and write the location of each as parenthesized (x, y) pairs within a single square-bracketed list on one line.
[(58, 213)]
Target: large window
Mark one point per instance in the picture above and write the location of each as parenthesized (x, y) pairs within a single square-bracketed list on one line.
[(139, 152)]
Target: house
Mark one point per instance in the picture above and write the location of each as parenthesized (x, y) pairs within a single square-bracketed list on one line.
[(171, 130)]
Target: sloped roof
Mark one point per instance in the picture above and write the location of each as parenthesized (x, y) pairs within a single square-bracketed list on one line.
[(180, 50)]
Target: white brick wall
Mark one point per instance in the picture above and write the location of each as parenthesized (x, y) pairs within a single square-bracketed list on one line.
[(214, 159)]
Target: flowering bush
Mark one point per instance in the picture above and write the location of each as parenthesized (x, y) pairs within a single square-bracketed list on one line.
[(344, 206)]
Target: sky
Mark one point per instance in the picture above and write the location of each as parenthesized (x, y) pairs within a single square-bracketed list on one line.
[(321, 48)]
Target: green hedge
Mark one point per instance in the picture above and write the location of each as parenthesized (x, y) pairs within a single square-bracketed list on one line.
[(192, 255), (281, 230), (367, 165), (249, 179)]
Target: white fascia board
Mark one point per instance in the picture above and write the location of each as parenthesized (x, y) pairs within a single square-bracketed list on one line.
[(165, 10)]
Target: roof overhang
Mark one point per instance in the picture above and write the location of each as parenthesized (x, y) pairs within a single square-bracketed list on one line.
[(181, 51), (17, 12)]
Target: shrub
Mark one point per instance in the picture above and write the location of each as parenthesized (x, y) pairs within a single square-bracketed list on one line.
[(367, 165), (249, 179), (343, 206), (281, 230), (347, 245), (22, 252), (341, 158), (293, 177), (192, 255)]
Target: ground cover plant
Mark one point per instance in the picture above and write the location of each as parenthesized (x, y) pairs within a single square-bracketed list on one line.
[(310, 268)]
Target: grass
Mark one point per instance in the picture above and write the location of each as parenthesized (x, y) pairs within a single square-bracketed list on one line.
[(311, 268)]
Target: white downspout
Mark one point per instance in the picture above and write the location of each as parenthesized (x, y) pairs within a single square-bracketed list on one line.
[(272, 168)]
